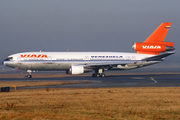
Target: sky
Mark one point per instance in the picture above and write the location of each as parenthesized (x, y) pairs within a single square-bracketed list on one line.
[(84, 25)]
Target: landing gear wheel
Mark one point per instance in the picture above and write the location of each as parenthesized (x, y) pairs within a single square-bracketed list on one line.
[(29, 76), (98, 75), (102, 75), (94, 75)]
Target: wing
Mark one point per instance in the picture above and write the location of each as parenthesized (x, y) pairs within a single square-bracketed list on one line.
[(125, 64), (158, 57), (108, 63)]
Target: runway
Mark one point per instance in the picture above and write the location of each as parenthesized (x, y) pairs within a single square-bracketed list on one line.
[(149, 80)]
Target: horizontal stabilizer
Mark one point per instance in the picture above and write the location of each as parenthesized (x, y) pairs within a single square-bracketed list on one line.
[(159, 57)]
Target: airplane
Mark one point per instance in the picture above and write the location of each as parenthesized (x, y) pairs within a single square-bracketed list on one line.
[(151, 51)]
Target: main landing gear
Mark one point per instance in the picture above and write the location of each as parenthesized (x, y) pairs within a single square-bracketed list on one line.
[(29, 74), (98, 73)]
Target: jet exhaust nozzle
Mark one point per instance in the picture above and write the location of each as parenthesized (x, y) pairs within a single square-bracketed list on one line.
[(168, 48)]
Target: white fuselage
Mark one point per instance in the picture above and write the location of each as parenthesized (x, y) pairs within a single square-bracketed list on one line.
[(76, 56), (64, 60)]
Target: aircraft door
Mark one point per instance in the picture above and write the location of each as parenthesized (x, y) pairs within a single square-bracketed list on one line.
[(133, 58), (49, 59), (86, 58), (18, 58)]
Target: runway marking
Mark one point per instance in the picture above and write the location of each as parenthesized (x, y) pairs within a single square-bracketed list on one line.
[(97, 81), (153, 79), (137, 78)]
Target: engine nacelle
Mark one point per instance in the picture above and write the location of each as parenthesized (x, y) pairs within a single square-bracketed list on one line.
[(151, 47), (74, 70), (171, 44)]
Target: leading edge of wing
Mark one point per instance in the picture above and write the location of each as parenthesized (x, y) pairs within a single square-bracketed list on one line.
[(108, 63)]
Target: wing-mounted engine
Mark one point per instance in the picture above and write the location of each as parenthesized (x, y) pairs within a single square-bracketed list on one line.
[(75, 70)]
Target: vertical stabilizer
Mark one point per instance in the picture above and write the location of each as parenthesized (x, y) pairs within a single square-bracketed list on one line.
[(159, 34), (155, 44)]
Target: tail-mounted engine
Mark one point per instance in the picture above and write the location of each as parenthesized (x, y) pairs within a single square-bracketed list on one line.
[(153, 47)]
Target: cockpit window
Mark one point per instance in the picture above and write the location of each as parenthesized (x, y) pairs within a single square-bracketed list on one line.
[(8, 59)]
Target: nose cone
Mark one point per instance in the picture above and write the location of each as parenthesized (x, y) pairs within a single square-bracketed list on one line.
[(4, 62)]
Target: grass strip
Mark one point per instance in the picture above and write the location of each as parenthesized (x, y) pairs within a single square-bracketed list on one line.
[(148, 103)]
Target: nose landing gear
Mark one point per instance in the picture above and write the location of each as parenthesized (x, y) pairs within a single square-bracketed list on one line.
[(29, 74)]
